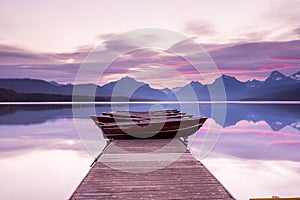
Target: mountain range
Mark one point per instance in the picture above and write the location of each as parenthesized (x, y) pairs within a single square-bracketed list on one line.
[(276, 87)]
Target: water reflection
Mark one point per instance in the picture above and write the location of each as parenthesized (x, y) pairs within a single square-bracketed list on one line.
[(41, 161), (41, 174), (53, 134), (276, 116), (39, 145), (257, 154), (246, 178), (254, 141)]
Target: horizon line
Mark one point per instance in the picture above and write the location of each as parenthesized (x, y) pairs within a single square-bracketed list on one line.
[(149, 102)]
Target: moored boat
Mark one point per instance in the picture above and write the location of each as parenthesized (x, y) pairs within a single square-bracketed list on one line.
[(158, 124), (140, 114), (112, 119)]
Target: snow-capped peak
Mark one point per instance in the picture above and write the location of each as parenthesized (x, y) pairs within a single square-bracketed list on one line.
[(276, 76), (296, 76)]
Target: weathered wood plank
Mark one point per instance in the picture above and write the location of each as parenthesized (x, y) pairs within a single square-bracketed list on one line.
[(186, 178)]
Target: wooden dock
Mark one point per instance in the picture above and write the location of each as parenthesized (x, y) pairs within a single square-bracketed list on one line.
[(149, 169)]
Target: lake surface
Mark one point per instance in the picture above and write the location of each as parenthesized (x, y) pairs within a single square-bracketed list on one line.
[(45, 151)]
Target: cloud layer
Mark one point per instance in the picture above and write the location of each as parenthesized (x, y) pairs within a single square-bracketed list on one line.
[(243, 60)]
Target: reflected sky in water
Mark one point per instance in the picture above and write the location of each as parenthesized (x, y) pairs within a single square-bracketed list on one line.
[(42, 156), (41, 161), (253, 160)]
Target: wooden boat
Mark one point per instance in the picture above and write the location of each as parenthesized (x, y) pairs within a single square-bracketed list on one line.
[(140, 114), (156, 129), (184, 132), (112, 119), (155, 111), (126, 125)]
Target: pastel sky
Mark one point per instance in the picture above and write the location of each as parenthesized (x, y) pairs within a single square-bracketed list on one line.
[(50, 39)]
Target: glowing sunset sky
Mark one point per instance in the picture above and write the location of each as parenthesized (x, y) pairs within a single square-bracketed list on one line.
[(50, 39)]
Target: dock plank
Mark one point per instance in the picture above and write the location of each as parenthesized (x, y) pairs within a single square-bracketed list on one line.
[(119, 174)]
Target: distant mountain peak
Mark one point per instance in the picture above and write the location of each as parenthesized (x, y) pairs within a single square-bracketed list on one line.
[(131, 81), (125, 82), (276, 73), (195, 83), (55, 83), (276, 76), (296, 76), (226, 77), (127, 78)]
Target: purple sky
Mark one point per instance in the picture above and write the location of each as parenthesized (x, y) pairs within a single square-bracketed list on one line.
[(50, 39)]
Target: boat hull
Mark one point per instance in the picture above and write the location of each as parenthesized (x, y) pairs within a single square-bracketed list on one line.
[(147, 125), (110, 119), (159, 129), (160, 135)]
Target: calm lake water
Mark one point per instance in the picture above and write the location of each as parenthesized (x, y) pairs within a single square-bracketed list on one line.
[(43, 157)]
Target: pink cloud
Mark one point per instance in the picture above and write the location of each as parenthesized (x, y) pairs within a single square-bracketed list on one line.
[(244, 61), (284, 58), (179, 64), (289, 143), (258, 132)]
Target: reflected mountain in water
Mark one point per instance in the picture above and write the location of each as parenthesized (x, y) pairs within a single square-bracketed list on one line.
[(32, 114), (277, 116)]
